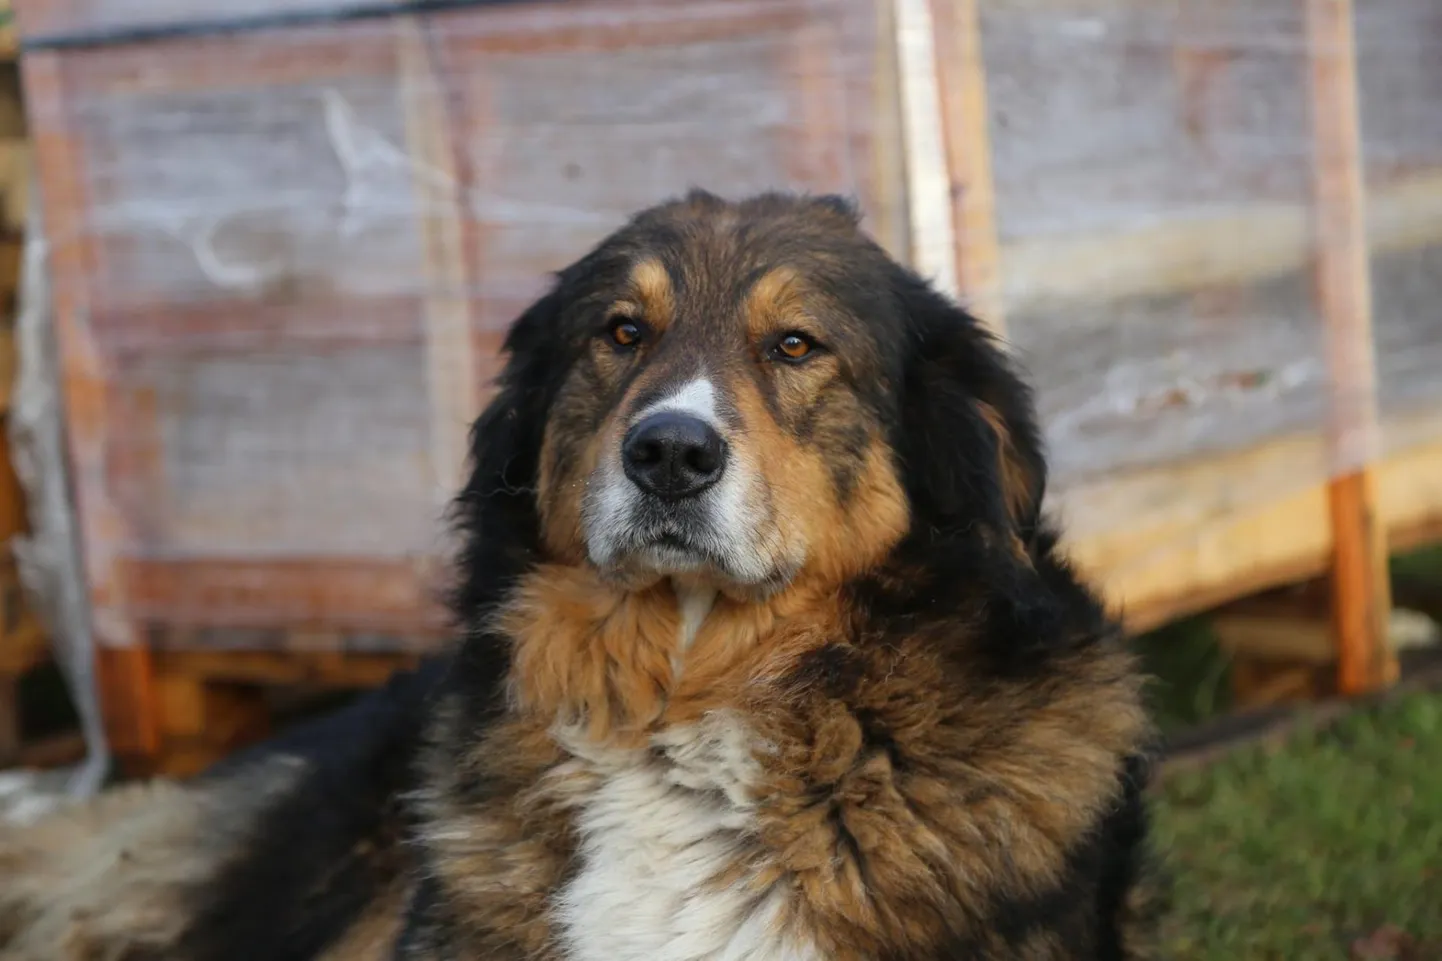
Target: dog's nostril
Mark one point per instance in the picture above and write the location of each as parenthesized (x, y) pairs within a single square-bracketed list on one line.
[(703, 459), (673, 455), (646, 452)]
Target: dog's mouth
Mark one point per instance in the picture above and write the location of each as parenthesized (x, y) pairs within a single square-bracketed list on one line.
[(673, 542), (673, 548)]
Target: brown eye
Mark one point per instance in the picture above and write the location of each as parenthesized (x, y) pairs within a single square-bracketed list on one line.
[(625, 333), (794, 347)]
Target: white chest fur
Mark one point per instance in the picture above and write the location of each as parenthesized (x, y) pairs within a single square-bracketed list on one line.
[(659, 837)]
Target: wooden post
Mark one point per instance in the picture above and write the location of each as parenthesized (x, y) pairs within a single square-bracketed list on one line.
[(130, 705), (961, 78), (123, 667), (451, 364), (1361, 591)]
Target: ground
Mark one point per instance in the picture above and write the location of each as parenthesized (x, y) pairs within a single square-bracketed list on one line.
[(1327, 847)]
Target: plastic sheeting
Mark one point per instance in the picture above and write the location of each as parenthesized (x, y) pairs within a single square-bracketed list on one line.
[(293, 255), (1155, 189), (49, 555), (289, 254)]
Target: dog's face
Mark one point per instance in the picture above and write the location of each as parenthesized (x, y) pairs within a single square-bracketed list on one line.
[(724, 409), (751, 393)]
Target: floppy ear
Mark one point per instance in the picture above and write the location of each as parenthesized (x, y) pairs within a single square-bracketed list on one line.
[(971, 447), (496, 512), (975, 475)]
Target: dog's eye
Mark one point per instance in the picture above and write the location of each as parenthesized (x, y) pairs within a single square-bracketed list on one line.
[(794, 347), (625, 333)]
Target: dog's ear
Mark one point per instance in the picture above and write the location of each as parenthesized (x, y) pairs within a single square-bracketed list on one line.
[(496, 513), (970, 443), (975, 474)]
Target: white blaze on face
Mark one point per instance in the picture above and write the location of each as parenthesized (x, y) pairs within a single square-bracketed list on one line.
[(725, 520), (695, 397)]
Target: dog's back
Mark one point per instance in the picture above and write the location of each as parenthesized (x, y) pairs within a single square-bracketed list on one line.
[(290, 850)]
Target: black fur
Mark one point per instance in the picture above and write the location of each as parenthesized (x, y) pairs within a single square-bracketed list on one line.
[(330, 844)]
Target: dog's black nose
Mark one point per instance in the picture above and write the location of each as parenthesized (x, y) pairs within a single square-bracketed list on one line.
[(673, 455)]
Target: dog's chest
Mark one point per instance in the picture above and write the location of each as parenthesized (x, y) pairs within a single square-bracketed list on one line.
[(667, 858)]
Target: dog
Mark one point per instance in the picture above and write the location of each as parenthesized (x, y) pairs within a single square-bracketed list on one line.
[(767, 653)]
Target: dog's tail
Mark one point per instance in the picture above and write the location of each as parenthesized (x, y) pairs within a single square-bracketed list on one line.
[(288, 851)]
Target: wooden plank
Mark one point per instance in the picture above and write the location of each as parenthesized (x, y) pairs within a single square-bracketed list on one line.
[(242, 64), (1302, 634), (14, 193), (59, 750), (129, 701), (1201, 250), (245, 325), (1291, 626), (9, 720), (449, 246), (1165, 542), (397, 597), (23, 642), (72, 259), (13, 517), (928, 174), (9, 40), (198, 710), (517, 30), (961, 73), (1361, 592), (337, 669), (25, 647)]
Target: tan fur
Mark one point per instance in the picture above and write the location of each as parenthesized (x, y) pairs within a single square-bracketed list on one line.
[(838, 540), (654, 294), (986, 805), (1016, 482), (372, 937), (776, 303)]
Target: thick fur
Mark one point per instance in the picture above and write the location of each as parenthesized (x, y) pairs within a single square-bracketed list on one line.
[(850, 703), (287, 851)]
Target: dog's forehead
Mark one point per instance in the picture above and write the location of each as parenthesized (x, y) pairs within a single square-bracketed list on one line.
[(721, 271)]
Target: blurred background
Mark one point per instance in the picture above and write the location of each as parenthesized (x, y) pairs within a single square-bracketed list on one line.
[(258, 257)]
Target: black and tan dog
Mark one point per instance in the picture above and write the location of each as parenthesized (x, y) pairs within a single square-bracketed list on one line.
[(768, 655)]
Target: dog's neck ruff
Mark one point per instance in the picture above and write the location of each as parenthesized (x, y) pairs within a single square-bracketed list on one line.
[(665, 869)]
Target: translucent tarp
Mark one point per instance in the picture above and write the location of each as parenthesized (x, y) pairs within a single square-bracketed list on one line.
[(291, 253), (301, 248)]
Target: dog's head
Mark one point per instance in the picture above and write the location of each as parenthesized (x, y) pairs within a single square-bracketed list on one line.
[(750, 394)]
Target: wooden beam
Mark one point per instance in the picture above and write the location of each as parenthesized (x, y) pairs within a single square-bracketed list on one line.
[(379, 595), (928, 179), (1361, 592), (1166, 541), (9, 43), (331, 669), (1200, 250), (129, 701), (961, 76), (9, 720), (449, 246)]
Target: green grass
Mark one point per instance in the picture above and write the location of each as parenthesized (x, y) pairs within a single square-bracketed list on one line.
[(1297, 852), (1190, 674)]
